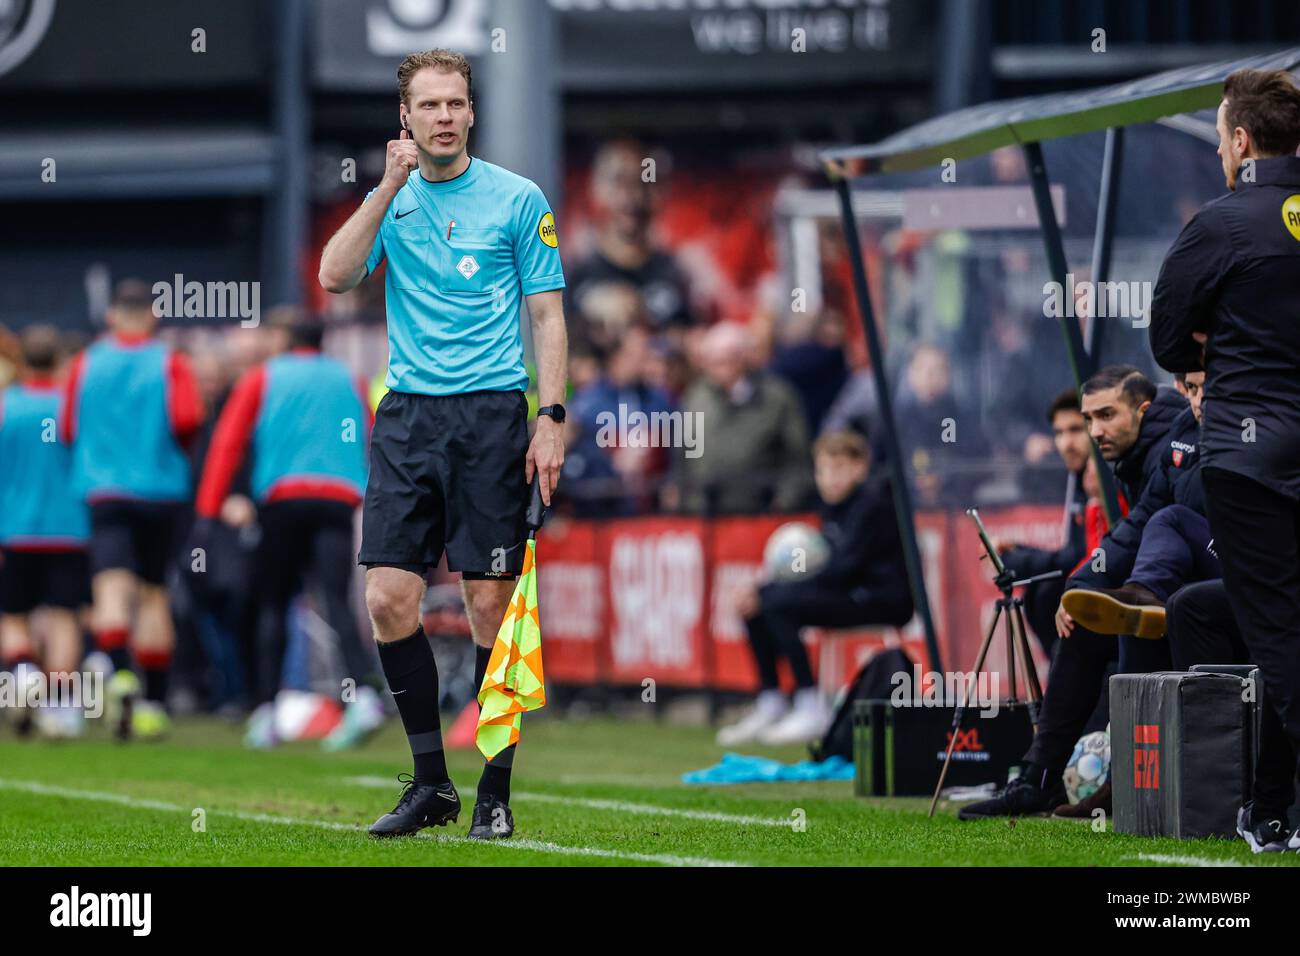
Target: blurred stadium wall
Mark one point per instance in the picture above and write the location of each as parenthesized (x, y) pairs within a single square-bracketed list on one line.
[(222, 159)]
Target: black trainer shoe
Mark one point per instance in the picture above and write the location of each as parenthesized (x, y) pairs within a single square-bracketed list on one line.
[(422, 805), (492, 821), (1268, 835), (1022, 797)]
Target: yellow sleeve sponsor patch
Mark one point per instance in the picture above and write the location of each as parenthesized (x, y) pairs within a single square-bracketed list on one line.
[(546, 231), (1291, 215)]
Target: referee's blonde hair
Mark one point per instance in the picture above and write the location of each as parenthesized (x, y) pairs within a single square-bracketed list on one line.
[(448, 61)]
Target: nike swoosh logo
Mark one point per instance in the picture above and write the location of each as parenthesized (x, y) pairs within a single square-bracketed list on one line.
[(448, 796), (396, 692), (399, 215)]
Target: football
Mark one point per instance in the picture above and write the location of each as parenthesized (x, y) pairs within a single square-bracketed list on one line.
[(1089, 765), (795, 551)]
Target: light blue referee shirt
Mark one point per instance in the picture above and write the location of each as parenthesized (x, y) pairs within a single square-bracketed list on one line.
[(461, 256)]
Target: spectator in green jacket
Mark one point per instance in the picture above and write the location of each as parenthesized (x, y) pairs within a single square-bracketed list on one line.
[(755, 455)]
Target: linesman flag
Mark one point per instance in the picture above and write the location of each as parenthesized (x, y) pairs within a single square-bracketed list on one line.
[(514, 682)]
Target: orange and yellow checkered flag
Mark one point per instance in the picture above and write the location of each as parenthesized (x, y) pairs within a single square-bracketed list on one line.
[(513, 682)]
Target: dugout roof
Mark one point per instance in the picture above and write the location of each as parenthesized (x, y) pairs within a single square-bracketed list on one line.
[(1025, 123), (988, 126)]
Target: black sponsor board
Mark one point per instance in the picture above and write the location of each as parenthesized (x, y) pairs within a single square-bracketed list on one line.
[(899, 751)]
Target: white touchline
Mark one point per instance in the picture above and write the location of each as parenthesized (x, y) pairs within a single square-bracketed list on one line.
[(619, 806), (1184, 860), (68, 793), (656, 780)]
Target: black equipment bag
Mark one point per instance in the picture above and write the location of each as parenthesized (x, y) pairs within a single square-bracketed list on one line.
[(1181, 748), (874, 680), (1249, 673)]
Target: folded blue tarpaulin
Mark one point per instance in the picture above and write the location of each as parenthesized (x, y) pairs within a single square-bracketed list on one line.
[(738, 768)]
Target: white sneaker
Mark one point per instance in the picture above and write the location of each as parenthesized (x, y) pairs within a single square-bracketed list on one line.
[(62, 723), (806, 721), (260, 732), (769, 707), (361, 718)]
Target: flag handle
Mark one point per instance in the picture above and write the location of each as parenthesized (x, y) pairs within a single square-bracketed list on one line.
[(536, 515)]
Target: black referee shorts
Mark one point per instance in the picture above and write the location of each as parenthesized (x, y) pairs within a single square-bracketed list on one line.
[(32, 579), (447, 474)]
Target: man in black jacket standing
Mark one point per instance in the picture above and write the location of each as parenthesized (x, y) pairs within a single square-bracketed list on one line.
[(1132, 423), (1229, 291)]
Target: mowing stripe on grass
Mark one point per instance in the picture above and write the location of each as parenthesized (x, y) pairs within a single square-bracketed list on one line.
[(1184, 860), (68, 793), (618, 806)]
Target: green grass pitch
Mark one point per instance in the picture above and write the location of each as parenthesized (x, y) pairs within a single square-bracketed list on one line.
[(586, 792)]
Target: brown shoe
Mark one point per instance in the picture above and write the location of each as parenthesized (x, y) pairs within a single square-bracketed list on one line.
[(1084, 809), (1131, 609)]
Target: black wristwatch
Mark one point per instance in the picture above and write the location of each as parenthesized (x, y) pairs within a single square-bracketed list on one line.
[(555, 412)]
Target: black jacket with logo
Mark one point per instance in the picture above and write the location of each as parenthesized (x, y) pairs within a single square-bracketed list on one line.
[(1154, 473), (1234, 273)]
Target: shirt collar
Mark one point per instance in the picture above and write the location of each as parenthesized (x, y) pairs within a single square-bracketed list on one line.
[(131, 338), (41, 383), (1278, 171), (467, 176)]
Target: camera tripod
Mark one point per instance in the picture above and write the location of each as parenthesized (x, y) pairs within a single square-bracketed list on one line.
[(1010, 610)]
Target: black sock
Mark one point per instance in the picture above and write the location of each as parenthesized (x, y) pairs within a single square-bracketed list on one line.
[(1041, 777), (495, 782), (155, 684), (413, 678)]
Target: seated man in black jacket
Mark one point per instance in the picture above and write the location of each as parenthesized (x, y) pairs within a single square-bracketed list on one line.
[(1176, 548), (1137, 427), (863, 582), (1070, 434)]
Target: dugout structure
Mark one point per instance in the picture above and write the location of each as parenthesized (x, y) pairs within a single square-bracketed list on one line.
[(924, 158)]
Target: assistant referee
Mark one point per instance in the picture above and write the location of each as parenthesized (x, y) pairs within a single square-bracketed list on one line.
[(450, 459)]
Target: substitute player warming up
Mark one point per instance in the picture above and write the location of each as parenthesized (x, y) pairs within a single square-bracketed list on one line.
[(450, 459)]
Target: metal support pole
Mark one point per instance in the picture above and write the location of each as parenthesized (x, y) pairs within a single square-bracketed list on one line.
[(902, 493), (284, 228), (1103, 238), (519, 124), (1081, 366), (964, 74)]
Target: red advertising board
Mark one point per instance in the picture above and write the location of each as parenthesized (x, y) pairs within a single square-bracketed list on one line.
[(654, 597), (655, 585), (736, 557), (571, 600), (972, 582)]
